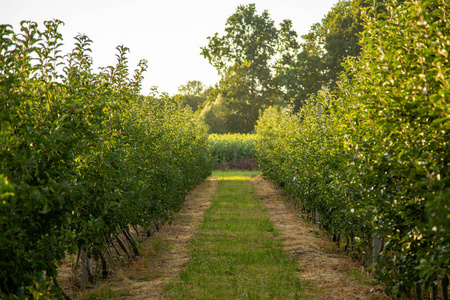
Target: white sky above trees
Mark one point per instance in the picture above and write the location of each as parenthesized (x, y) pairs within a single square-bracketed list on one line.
[(168, 33)]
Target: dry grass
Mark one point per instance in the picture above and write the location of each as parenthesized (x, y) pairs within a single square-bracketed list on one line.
[(332, 274), (163, 255)]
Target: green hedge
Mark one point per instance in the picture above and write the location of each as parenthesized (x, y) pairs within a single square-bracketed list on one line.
[(222, 147), (83, 156), (374, 159)]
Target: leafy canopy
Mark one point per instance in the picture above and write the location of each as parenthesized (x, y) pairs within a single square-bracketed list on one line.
[(244, 56)]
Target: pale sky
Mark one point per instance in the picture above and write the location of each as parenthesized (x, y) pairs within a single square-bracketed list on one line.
[(168, 33)]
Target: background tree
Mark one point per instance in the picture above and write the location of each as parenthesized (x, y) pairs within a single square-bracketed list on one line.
[(299, 70), (243, 58), (262, 65), (194, 93), (341, 28), (215, 113), (323, 50), (303, 69)]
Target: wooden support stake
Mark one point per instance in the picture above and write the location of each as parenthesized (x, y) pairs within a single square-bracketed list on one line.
[(376, 243), (418, 291), (444, 282), (318, 217), (434, 292), (86, 268)]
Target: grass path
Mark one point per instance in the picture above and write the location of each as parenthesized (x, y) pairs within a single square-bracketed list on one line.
[(237, 239), (237, 253)]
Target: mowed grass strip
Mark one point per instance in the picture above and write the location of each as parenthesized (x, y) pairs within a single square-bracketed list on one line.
[(237, 253)]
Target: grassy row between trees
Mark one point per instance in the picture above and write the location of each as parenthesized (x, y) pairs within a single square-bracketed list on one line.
[(374, 158), (236, 253), (83, 156)]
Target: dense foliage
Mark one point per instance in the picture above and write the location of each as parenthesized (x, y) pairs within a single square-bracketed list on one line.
[(261, 64), (246, 57), (83, 155), (222, 147), (374, 159), (328, 44), (193, 94)]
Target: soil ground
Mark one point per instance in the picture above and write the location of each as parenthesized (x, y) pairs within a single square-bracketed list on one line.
[(329, 273)]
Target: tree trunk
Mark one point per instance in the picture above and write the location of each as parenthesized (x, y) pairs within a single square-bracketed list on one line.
[(124, 247)]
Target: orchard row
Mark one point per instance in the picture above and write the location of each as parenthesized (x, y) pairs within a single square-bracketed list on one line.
[(373, 159), (83, 155)]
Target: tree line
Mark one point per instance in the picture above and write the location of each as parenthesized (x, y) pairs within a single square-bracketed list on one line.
[(261, 64)]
